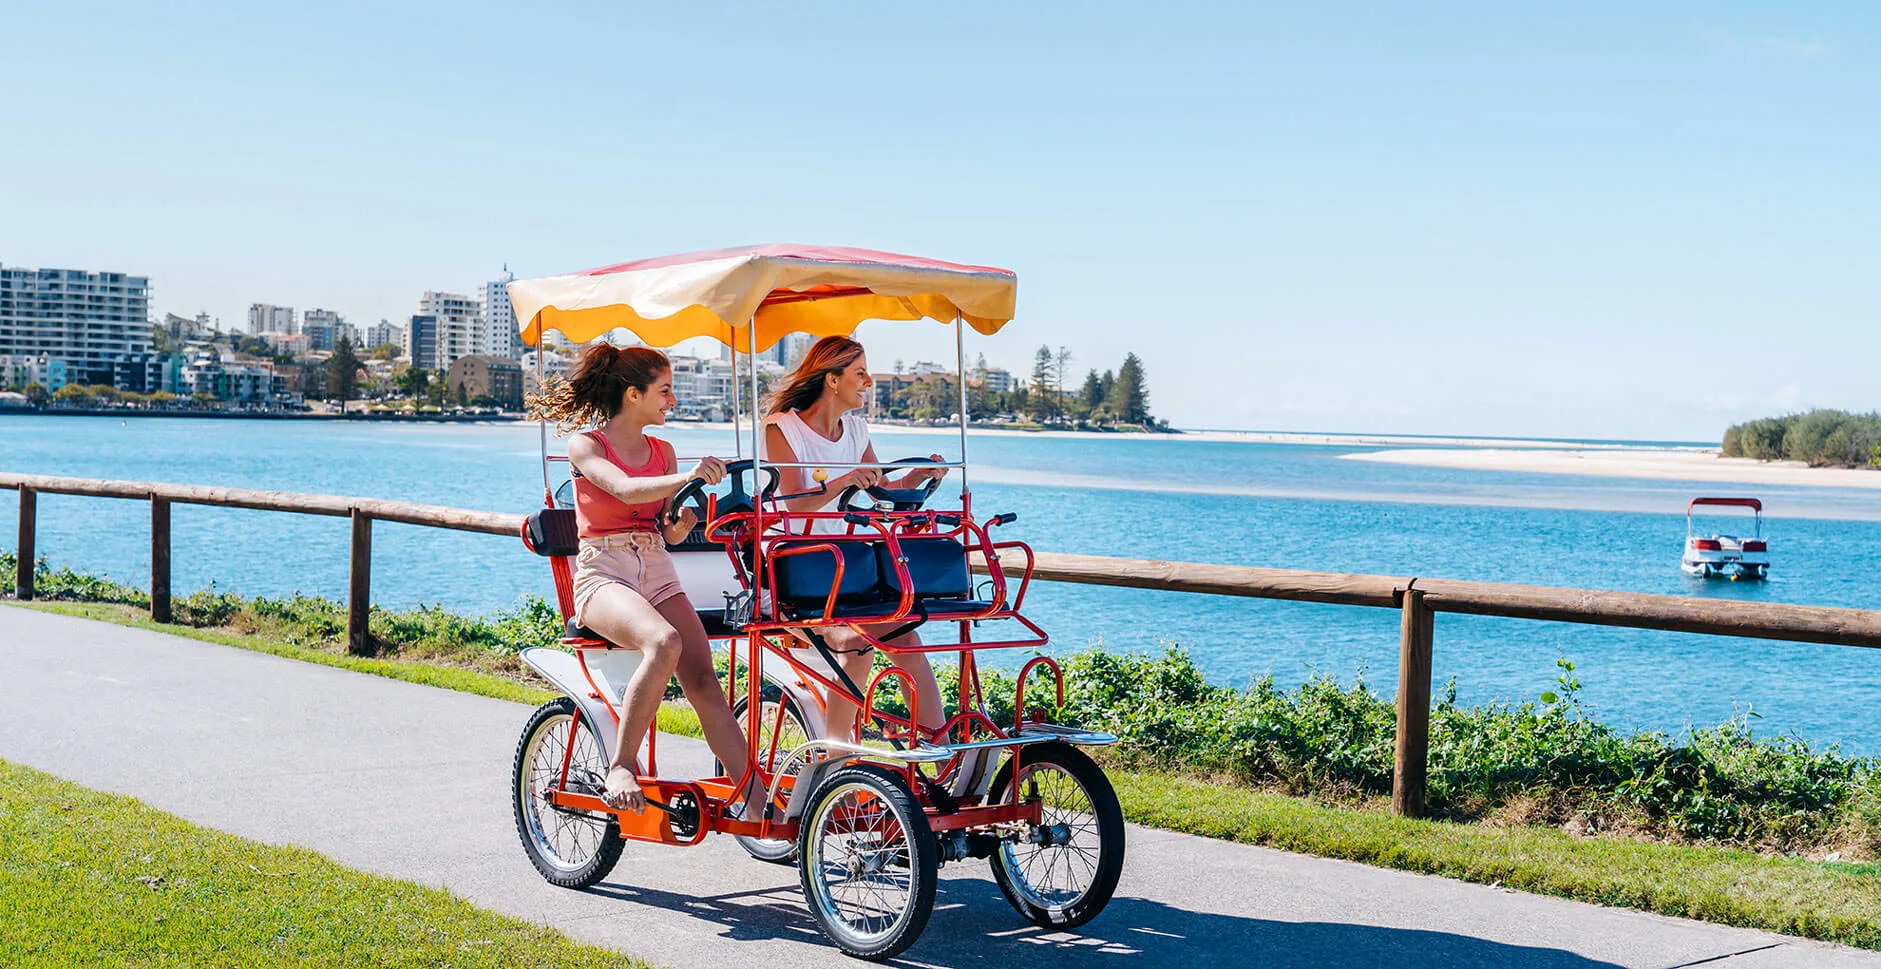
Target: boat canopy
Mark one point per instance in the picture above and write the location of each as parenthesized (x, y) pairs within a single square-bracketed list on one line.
[(779, 289), (1751, 503)]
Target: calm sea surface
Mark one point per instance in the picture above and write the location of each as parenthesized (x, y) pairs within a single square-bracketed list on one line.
[(1288, 506)]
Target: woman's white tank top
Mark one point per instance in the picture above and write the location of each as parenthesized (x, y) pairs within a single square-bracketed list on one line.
[(813, 448)]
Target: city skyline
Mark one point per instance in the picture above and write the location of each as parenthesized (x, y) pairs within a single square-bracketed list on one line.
[(1598, 222)]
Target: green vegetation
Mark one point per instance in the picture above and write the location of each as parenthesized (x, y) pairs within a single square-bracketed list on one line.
[(1823, 438), (1721, 825), (97, 879)]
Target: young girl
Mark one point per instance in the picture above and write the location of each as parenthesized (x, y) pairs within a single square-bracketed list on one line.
[(626, 588), (811, 419)]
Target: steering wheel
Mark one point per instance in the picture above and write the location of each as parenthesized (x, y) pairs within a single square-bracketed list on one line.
[(739, 500), (906, 499), (693, 492)]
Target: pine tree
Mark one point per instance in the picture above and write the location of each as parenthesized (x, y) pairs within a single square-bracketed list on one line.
[(342, 371), (1040, 398), (1129, 396), (1092, 394)]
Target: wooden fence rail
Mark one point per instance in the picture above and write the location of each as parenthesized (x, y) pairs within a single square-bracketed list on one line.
[(1417, 599)]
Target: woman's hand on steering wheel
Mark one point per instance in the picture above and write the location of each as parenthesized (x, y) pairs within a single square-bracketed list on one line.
[(709, 470), (919, 476), (864, 478)]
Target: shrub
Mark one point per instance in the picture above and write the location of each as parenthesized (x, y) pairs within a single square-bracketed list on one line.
[(1819, 437)]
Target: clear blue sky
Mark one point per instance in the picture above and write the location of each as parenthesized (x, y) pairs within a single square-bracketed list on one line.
[(1621, 220)]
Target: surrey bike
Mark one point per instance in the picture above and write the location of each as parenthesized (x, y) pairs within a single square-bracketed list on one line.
[(867, 825)]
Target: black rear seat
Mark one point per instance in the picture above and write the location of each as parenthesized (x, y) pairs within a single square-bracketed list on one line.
[(936, 566)]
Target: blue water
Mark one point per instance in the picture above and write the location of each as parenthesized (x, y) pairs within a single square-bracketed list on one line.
[(1287, 506)]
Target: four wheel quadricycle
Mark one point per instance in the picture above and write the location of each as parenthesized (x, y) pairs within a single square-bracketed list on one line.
[(868, 811)]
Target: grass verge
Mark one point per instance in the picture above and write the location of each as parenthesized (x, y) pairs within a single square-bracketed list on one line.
[(98, 879), (1831, 901)]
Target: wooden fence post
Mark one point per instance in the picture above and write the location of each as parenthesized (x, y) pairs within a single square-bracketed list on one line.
[(359, 595), (23, 570), (1413, 747), (159, 559)]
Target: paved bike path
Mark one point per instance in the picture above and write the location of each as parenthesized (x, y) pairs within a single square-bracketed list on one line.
[(413, 782)]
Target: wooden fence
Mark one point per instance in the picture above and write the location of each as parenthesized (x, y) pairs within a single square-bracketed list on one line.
[(1417, 599)]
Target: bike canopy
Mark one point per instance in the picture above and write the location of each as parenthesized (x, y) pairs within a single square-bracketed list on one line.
[(778, 289)]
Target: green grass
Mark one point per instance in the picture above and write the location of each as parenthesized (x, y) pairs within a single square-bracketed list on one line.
[(674, 718), (98, 879), (1833, 901)]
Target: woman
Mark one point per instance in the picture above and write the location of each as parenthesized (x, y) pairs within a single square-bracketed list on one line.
[(626, 588), (811, 419)]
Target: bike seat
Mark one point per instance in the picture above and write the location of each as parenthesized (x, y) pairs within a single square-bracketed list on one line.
[(712, 619)]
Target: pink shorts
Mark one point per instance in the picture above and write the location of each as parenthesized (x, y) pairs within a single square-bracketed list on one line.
[(637, 560)]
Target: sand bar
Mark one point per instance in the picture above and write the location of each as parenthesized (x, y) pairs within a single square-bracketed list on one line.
[(1658, 463)]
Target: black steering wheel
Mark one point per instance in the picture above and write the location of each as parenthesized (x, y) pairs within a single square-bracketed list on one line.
[(738, 500), (904, 499)]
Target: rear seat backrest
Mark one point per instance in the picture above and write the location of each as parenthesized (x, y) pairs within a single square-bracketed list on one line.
[(553, 533), (937, 567)]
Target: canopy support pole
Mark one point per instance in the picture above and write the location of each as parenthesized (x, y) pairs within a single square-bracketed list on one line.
[(960, 369)]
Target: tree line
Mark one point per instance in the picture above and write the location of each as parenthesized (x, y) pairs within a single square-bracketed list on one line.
[(1115, 397), (1822, 438)]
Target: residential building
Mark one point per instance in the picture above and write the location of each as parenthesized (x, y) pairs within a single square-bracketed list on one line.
[(323, 329), (381, 333), (499, 320), (421, 341), (790, 351), (898, 391), (242, 383), (148, 373), (703, 387), (84, 319), (181, 329), (268, 318), (483, 375), (459, 325), (23, 369), (996, 380)]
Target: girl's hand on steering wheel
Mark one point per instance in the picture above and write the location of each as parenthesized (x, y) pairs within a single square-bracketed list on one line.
[(623, 790), (865, 478), (709, 470), (685, 517)]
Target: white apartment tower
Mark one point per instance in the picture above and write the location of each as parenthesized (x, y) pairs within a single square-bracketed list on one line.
[(459, 326), (499, 320), (381, 333), (86, 319), (268, 318)]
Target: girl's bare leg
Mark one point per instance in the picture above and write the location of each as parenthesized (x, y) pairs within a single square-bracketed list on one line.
[(702, 688), (624, 617)]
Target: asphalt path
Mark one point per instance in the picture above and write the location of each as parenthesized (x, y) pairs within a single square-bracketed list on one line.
[(413, 782)]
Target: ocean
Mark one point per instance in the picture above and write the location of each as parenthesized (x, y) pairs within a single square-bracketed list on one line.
[(1238, 502)]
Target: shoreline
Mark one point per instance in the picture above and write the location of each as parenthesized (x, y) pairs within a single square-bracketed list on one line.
[(1652, 463)]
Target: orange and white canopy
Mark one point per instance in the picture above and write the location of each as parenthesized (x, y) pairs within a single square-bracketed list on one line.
[(779, 289)]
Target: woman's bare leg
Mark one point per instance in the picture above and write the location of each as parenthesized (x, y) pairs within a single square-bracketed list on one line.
[(702, 688), (624, 617)]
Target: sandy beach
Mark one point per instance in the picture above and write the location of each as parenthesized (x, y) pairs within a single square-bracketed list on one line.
[(1660, 463)]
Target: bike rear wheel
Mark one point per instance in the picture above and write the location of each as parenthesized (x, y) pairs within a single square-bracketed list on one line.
[(572, 849), (776, 851)]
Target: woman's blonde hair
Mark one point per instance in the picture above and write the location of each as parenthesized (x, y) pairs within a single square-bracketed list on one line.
[(591, 393), (830, 355)]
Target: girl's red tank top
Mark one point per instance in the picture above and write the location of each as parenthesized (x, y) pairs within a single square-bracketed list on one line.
[(599, 513)]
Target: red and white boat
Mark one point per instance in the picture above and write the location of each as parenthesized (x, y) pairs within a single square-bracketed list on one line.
[(1717, 555)]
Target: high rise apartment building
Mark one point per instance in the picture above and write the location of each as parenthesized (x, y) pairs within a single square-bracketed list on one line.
[(268, 318), (381, 333), (421, 342), (323, 328), (459, 326), (86, 319), (499, 319)]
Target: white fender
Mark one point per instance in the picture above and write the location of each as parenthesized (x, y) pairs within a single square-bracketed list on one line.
[(611, 673)]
